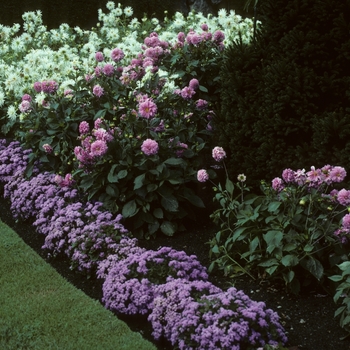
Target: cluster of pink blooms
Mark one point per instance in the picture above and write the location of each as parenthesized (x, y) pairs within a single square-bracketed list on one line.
[(94, 145), (202, 175), (195, 39), (149, 147), (46, 86), (314, 178), (67, 181), (25, 105)]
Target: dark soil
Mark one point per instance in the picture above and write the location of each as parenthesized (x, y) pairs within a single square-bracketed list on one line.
[(308, 318)]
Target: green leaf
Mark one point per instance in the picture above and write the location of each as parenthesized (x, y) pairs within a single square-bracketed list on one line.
[(269, 263), (203, 88), (308, 248), (288, 277), (194, 199), (86, 182), (290, 260), (138, 181), (151, 187), (253, 244), (168, 228), (158, 213), (112, 191), (289, 247), (335, 278), (129, 209), (122, 174), (111, 176), (273, 237), (174, 161), (170, 204), (339, 311), (273, 206), (215, 249), (229, 186), (313, 266)]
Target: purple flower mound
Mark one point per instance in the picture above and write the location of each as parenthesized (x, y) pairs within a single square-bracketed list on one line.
[(199, 316), (29, 196), (13, 160), (130, 283)]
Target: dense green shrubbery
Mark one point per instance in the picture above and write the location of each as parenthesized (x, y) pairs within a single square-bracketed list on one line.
[(285, 99)]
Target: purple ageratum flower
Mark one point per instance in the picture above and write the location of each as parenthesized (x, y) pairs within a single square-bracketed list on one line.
[(37, 86), (98, 91), (277, 184), (49, 86), (202, 175), (117, 55), (216, 320), (84, 128), (149, 147), (343, 197), (99, 148), (218, 153), (99, 56), (47, 148), (147, 108)]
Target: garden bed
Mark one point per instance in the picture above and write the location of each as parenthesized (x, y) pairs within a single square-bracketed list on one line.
[(308, 319)]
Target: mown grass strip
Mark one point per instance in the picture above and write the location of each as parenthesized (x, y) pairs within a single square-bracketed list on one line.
[(39, 309)]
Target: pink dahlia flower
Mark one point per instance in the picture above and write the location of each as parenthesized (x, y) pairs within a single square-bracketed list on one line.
[(202, 175), (218, 153), (150, 147)]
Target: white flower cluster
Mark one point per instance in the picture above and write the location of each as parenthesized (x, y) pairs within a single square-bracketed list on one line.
[(41, 54)]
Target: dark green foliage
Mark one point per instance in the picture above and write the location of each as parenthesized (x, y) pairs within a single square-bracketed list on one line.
[(285, 98)]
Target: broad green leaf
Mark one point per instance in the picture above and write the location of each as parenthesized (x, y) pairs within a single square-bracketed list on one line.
[(339, 311), (288, 277), (111, 176), (203, 88), (151, 187), (273, 237), (129, 209), (170, 204), (158, 213), (290, 260), (313, 266), (112, 191), (308, 248), (273, 206), (289, 247), (168, 228), (174, 161), (253, 244), (335, 278), (138, 181), (215, 249), (122, 174), (229, 186)]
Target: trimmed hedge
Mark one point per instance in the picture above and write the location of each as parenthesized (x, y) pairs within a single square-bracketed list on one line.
[(285, 98)]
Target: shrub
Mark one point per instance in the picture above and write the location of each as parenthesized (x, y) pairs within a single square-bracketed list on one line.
[(293, 230), (285, 97)]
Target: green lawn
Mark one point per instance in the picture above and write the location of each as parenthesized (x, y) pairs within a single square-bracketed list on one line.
[(39, 309)]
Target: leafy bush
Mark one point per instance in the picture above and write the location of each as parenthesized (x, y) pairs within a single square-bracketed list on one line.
[(292, 230), (342, 293), (285, 97)]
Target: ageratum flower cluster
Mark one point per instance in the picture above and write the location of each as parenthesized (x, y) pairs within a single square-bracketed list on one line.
[(167, 285)]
